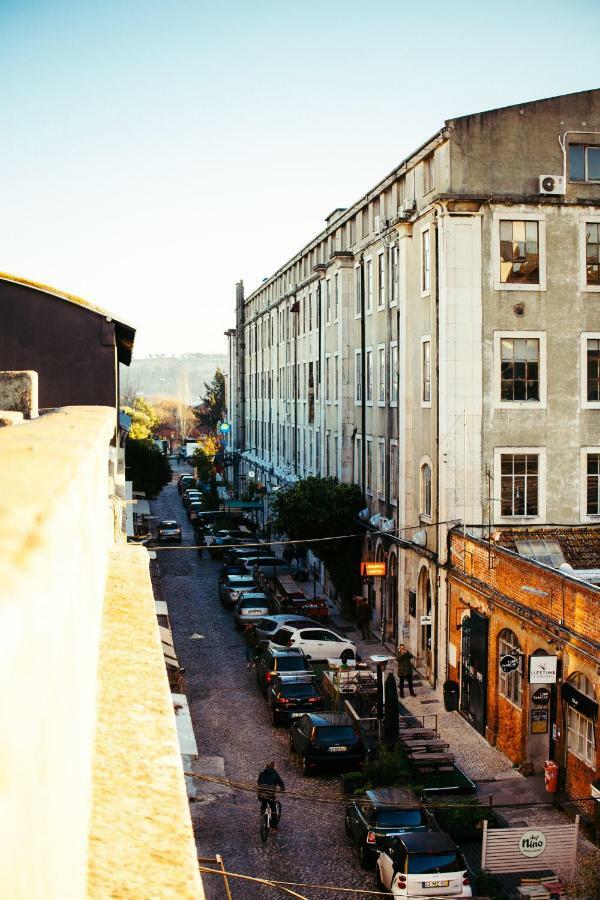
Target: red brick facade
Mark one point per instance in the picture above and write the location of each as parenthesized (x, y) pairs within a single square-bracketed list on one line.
[(547, 612)]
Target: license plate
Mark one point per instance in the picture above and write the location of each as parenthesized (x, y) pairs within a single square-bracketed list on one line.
[(435, 884), (296, 715), (253, 612), (337, 749)]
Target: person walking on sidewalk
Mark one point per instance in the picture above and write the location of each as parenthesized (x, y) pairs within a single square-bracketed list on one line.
[(404, 658), (363, 617), (251, 639)]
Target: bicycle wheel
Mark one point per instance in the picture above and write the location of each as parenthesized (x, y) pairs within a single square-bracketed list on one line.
[(265, 822), (278, 808)]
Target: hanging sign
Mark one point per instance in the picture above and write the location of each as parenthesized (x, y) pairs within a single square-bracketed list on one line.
[(541, 696), (542, 669), (509, 663), (425, 620), (378, 569)]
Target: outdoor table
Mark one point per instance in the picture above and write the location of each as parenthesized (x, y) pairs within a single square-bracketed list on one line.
[(433, 745), (533, 892), (421, 733), (432, 760)]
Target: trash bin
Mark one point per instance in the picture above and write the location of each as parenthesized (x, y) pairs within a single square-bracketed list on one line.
[(551, 776), (451, 695)]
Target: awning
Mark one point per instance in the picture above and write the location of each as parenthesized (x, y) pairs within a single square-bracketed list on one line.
[(578, 701)]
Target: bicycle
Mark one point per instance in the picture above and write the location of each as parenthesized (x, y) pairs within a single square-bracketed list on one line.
[(265, 819)]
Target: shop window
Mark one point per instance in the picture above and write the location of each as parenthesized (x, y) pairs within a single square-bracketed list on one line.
[(510, 685), (580, 728)]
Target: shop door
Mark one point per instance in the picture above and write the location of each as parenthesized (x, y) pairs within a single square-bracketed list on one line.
[(473, 696)]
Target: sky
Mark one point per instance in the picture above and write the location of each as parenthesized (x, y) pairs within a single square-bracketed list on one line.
[(154, 154)]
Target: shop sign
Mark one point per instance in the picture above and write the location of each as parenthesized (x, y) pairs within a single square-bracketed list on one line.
[(509, 663), (578, 701), (542, 669), (532, 843), (539, 721), (369, 569), (425, 620), (541, 696)]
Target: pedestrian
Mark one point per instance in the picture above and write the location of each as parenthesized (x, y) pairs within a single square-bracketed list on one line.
[(363, 617), (404, 658), (251, 640)]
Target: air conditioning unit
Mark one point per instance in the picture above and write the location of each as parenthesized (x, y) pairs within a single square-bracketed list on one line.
[(552, 184), (408, 206)]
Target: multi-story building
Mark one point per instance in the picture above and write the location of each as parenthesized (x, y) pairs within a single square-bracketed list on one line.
[(438, 343)]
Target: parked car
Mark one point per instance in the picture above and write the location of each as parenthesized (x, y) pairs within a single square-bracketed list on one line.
[(290, 696), (169, 530), (191, 496), (381, 814), (250, 607), (264, 559), (233, 586), (230, 570), (275, 660), (316, 641), (426, 864), (194, 510), (326, 740), (272, 572), (240, 554), (185, 481), (266, 628)]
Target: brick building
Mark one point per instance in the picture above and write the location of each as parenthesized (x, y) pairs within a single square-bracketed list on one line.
[(524, 645)]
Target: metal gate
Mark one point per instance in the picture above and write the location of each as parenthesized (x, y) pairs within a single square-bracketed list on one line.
[(473, 695)]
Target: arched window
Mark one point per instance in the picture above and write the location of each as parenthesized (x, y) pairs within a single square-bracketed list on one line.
[(426, 489), (510, 682), (580, 728)]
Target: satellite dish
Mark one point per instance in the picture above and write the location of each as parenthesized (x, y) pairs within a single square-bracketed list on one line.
[(364, 513), (420, 538)]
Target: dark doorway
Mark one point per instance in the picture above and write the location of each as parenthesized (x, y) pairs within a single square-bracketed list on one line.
[(473, 695)]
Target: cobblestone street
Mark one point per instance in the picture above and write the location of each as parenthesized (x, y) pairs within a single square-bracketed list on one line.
[(235, 736)]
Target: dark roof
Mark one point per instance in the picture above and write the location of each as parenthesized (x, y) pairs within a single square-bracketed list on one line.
[(329, 719), (580, 546), (393, 797), (427, 842), (124, 333)]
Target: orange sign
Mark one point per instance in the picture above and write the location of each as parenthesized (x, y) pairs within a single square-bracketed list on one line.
[(373, 568)]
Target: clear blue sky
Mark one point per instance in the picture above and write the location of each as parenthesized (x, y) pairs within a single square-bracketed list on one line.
[(152, 154)]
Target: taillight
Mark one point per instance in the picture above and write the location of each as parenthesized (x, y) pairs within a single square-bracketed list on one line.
[(402, 880), (370, 837), (289, 644), (313, 699), (268, 675), (282, 700), (465, 878)]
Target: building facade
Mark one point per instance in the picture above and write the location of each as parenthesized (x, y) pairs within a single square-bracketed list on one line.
[(435, 344)]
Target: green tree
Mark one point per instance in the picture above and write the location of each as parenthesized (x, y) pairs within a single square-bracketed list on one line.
[(213, 409), (146, 467), (321, 508), (144, 419)]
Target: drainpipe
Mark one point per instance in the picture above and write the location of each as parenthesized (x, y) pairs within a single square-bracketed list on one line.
[(363, 376), (437, 432)]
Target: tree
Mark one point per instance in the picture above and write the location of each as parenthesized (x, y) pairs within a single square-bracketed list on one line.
[(320, 508), (213, 409), (146, 467), (144, 419)]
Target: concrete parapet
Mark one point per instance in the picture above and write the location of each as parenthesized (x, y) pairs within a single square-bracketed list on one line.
[(19, 392)]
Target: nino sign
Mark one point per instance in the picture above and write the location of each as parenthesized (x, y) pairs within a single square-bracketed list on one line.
[(532, 843)]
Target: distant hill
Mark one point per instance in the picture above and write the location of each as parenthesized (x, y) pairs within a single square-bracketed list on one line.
[(167, 374)]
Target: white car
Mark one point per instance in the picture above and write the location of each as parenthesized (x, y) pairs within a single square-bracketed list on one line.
[(423, 864), (317, 642), (250, 607)]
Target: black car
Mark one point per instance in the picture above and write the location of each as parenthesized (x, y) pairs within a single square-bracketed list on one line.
[(274, 661), (290, 696), (382, 814), (169, 530), (232, 587), (326, 740), (195, 509), (185, 481)]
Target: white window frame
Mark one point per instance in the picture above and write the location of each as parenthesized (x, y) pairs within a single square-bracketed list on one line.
[(337, 294), (358, 384), (394, 499), (357, 293), (381, 468), (584, 338), (541, 454), (393, 379), (518, 216), (580, 726), (583, 221), (425, 516), (369, 466), (328, 301), (336, 378), (369, 357), (394, 291), (584, 516), (425, 290), (542, 403), (357, 459), (368, 298), (381, 280), (328, 379), (381, 347), (510, 684), (425, 404)]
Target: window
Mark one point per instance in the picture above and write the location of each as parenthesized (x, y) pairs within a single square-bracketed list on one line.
[(357, 293), (381, 375), (592, 484), (327, 452), (428, 175), (381, 281), (425, 262), (317, 450), (369, 472), (336, 297), (369, 376), (592, 253), (426, 490), (580, 728), (425, 372), (519, 252), (336, 453), (336, 378), (328, 300), (357, 459), (519, 474), (310, 312), (393, 472), (395, 275), (393, 374), (328, 379), (520, 369), (584, 162), (369, 284), (381, 467), (510, 683), (358, 391), (593, 370)]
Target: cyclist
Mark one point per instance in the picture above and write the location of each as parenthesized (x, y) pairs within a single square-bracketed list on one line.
[(268, 781)]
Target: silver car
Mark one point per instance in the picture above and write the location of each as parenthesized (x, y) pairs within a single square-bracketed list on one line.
[(250, 607)]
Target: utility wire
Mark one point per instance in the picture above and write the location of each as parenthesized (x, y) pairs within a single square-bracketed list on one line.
[(284, 885)]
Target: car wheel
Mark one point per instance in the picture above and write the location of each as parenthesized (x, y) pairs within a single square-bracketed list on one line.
[(306, 770), (347, 825), (274, 719), (346, 656), (364, 857)]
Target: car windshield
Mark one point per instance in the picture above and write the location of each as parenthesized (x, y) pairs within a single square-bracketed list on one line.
[(433, 863), (334, 734), (168, 525), (236, 581), (253, 602), (291, 664), (396, 818), (266, 625), (298, 690), (281, 637)]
